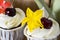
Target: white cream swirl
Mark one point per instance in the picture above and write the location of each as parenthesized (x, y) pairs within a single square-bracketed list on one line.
[(46, 33), (10, 22)]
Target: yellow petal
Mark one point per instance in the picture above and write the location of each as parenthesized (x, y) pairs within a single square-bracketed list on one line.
[(40, 24), (38, 14), (24, 20), (31, 26), (29, 12)]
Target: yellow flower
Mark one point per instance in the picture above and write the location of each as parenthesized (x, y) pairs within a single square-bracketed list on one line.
[(33, 19)]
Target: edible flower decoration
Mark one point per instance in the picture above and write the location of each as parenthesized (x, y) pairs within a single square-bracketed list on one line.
[(4, 5), (33, 19)]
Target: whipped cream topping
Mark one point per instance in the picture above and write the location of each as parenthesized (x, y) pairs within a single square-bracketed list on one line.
[(11, 22), (46, 33)]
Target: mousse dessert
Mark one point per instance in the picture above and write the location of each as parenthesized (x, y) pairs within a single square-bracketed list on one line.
[(10, 17), (40, 27), (10, 21)]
